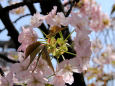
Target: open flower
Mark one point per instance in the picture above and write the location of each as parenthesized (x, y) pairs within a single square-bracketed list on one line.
[(36, 79), (66, 69), (8, 80), (58, 81), (27, 37), (20, 70)]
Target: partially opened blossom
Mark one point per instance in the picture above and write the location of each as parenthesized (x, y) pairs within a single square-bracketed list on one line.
[(27, 37)]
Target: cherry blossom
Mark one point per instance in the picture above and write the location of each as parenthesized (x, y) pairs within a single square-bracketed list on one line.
[(97, 19), (58, 81), (21, 71), (43, 68), (82, 41), (57, 20), (36, 79), (27, 37), (96, 45), (37, 19), (66, 69), (8, 80), (38, 72)]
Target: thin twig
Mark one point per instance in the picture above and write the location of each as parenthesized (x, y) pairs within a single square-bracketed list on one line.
[(13, 6), (2, 30), (21, 17), (7, 59)]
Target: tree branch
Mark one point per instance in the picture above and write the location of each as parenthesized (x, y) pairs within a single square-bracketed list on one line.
[(8, 44), (13, 6), (1, 72), (69, 11), (12, 32), (4, 57), (21, 17)]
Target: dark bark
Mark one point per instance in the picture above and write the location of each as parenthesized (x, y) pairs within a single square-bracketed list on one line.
[(1, 72), (30, 6), (12, 32), (4, 57)]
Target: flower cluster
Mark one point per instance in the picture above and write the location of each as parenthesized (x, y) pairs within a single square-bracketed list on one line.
[(101, 60), (36, 68), (90, 9)]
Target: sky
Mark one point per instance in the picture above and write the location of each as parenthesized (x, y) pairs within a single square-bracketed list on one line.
[(106, 5)]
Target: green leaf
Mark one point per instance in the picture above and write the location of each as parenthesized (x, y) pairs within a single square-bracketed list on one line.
[(46, 57), (31, 48)]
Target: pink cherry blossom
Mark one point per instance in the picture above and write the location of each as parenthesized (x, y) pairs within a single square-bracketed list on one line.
[(21, 71), (36, 79), (8, 80), (37, 19), (66, 69), (43, 68), (77, 20), (97, 19), (58, 81), (57, 20), (82, 41), (27, 37)]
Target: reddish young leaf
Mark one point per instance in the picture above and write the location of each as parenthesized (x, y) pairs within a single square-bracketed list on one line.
[(46, 57), (31, 48)]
